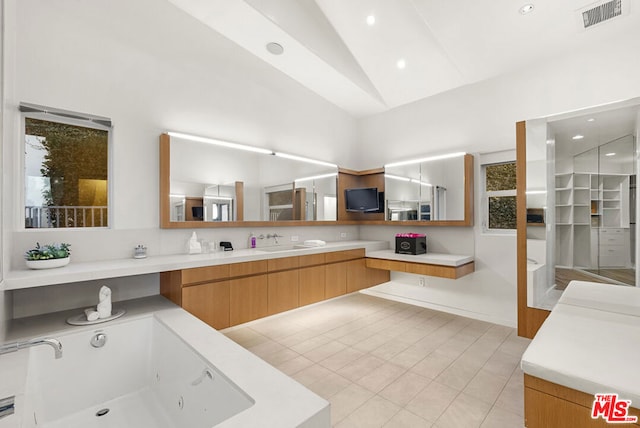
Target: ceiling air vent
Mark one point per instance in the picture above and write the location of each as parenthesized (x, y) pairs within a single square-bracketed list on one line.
[(601, 13)]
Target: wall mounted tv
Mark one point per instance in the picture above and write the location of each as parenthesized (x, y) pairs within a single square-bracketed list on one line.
[(365, 199)]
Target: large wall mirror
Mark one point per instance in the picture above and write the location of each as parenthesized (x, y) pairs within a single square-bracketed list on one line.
[(212, 183), (430, 189), (204, 184), (577, 213)]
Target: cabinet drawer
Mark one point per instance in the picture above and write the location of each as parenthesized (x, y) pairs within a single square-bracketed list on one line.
[(312, 260), (284, 263), (247, 268), (612, 238), (612, 261), (613, 251), (386, 265), (340, 256), (204, 274)]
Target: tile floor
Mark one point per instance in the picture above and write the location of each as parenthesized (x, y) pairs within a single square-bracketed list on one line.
[(387, 364)]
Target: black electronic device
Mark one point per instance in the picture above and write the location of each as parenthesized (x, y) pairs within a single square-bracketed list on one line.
[(364, 199), (226, 246)]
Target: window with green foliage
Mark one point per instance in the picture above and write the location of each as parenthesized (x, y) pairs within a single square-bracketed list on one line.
[(500, 196), (66, 173)]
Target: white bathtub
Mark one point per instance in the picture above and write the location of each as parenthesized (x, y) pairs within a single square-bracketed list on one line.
[(144, 376)]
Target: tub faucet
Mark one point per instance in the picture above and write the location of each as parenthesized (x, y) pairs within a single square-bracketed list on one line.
[(275, 237), (15, 346), (206, 373)]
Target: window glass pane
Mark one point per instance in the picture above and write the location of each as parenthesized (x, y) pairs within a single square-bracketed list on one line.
[(502, 212), (66, 170), (501, 176)]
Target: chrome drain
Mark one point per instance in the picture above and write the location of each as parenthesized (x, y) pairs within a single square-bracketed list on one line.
[(102, 412)]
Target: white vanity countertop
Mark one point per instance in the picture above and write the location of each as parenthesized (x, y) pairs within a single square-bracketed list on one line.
[(279, 400), (87, 271), (428, 258)]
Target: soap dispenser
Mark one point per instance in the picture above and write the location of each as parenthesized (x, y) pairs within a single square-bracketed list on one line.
[(252, 240)]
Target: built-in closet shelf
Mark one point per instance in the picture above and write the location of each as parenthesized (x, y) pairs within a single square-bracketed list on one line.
[(96, 270)]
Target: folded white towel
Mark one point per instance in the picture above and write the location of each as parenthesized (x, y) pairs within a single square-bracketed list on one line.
[(314, 243), (104, 306), (91, 314)]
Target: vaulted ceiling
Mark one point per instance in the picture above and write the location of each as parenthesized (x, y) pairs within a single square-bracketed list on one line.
[(368, 56)]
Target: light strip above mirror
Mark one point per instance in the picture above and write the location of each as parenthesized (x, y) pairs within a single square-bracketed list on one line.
[(316, 177), (412, 180), (220, 143), (238, 146), (427, 159)]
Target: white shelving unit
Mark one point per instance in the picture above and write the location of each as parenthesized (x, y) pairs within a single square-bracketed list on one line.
[(592, 220)]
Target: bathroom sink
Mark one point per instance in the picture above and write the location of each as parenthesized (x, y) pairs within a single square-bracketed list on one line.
[(278, 248)]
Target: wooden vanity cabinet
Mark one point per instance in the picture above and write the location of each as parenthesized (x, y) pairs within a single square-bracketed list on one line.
[(231, 294)]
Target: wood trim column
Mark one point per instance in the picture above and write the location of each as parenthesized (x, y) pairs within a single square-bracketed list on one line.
[(165, 185)]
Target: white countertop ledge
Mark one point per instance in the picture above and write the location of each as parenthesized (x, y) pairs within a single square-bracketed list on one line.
[(429, 258), (95, 270)]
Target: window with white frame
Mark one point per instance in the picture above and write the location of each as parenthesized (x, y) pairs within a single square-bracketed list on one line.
[(66, 168), (499, 197)]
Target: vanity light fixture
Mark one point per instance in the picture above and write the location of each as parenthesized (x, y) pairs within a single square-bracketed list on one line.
[(591, 119), (536, 192), (396, 177), (427, 159), (610, 154), (316, 177), (224, 198), (527, 8), (220, 143), (371, 20), (302, 159), (177, 196), (577, 137)]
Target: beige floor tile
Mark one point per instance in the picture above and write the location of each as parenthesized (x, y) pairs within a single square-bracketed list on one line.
[(360, 367), (329, 385), (432, 401), (246, 337), (266, 348), (498, 418), (458, 374), (297, 338), (294, 365), (311, 374), (486, 386), (432, 365), (502, 364), (464, 412), (346, 401), (405, 388), (311, 343), (371, 343), (382, 376), (279, 357), (373, 414), (324, 350), (341, 358), (409, 357), (511, 398), (390, 349), (406, 419)]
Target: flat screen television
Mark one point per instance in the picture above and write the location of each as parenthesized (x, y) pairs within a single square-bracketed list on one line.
[(362, 200)]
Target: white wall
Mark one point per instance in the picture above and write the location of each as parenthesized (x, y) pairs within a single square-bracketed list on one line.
[(150, 68), (481, 118)]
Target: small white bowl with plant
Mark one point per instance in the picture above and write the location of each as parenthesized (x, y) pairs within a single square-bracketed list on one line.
[(48, 256)]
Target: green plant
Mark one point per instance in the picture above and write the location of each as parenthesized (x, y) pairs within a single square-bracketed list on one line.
[(46, 252)]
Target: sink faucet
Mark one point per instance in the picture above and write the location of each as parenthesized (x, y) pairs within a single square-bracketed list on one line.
[(15, 346), (275, 237)]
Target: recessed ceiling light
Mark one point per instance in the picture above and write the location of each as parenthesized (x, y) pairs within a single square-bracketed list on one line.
[(275, 48), (591, 119), (610, 154), (371, 19), (401, 64), (527, 8), (577, 137)]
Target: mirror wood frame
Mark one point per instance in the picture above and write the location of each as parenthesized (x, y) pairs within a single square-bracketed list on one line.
[(529, 319), (166, 223)]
